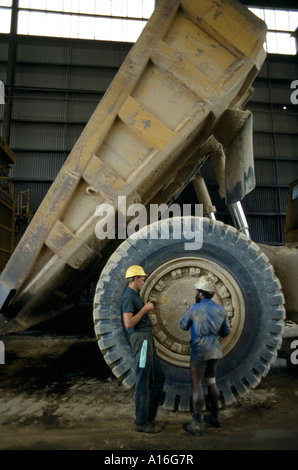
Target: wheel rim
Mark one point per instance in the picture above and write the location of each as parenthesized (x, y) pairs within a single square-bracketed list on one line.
[(172, 286)]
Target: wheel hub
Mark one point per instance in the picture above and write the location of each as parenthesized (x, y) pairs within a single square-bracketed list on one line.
[(172, 287)]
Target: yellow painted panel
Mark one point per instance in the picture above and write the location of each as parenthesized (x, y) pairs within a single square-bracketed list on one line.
[(102, 178), (201, 49), (122, 151), (160, 93), (231, 22), (184, 72), (59, 237), (145, 124)]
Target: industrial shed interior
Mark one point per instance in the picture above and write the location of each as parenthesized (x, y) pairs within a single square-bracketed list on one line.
[(52, 86), (86, 118)]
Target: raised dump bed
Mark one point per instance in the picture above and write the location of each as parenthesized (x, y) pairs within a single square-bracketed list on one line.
[(180, 89)]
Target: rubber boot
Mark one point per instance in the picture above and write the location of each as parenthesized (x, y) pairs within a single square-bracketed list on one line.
[(195, 426), (213, 419)]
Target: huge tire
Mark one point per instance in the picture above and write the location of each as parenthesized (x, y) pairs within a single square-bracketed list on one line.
[(245, 285)]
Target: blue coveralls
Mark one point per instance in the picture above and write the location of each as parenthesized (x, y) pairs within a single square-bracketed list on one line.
[(207, 321)]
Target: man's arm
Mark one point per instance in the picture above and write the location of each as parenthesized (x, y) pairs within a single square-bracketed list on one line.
[(225, 329), (185, 323), (131, 320)]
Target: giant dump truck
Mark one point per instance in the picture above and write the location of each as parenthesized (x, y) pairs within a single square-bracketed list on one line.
[(176, 101)]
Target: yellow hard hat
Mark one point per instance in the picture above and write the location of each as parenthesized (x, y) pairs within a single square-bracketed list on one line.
[(133, 271), (206, 284)]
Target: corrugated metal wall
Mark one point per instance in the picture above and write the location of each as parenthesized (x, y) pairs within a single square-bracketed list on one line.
[(59, 82), (275, 147)]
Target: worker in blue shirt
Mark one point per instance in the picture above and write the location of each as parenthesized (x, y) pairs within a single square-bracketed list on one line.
[(207, 322)]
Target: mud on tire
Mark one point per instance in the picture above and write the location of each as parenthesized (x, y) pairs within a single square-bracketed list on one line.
[(245, 285)]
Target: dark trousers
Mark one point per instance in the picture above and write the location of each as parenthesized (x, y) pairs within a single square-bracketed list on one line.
[(149, 379)]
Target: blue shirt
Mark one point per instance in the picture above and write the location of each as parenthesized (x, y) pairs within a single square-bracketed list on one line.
[(207, 321)]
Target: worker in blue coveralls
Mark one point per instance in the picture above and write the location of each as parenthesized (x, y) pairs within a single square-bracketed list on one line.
[(148, 373), (207, 322)]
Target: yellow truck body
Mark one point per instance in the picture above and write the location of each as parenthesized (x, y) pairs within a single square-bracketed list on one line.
[(176, 99)]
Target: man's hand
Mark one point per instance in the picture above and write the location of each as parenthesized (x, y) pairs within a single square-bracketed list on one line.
[(148, 306)]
